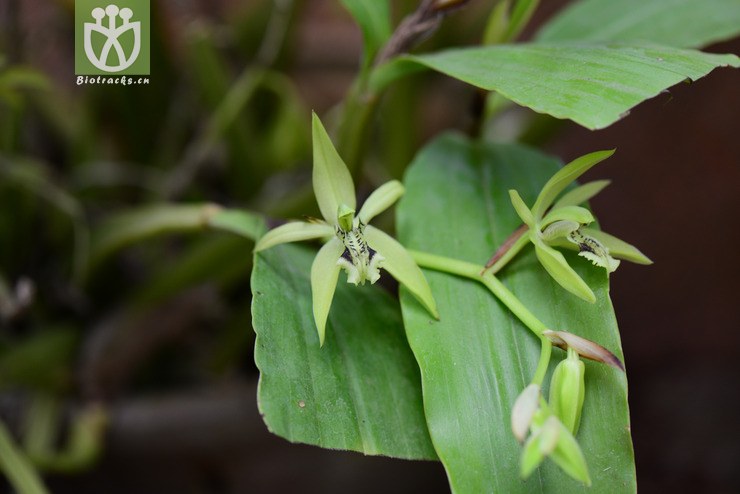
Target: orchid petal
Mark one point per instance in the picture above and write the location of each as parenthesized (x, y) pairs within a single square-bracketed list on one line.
[(618, 248), (521, 208), (580, 215), (380, 200), (399, 263), (524, 408), (568, 455), (556, 265), (564, 177), (293, 232), (332, 182), (581, 194), (558, 230), (324, 275)]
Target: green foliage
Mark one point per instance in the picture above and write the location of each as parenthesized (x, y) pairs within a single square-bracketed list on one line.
[(478, 357), (593, 85), (106, 215), (374, 18), (361, 390), (679, 23)]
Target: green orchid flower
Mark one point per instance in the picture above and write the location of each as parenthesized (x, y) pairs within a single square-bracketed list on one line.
[(351, 243), (564, 225)]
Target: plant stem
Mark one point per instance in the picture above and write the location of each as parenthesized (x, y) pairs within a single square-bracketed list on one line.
[(446, 264), (544, 361), (16, 466), (472, 271)]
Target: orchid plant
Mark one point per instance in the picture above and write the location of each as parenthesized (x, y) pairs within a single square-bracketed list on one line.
[(350, 243)]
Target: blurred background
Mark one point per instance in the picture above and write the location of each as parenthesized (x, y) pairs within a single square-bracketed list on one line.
[(127, 344)]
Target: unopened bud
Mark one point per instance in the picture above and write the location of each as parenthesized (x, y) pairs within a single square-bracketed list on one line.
[(567, 390), (524, 408)]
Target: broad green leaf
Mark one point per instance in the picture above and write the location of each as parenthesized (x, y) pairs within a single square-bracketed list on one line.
[(374, 18), (381, 199), (681, 23), (332, 182), (478, 358), (555, 264), (401, 266), (581, 194), (294, 231), (324, 276), (564, 177), (576, 214), (593, 85), (361, 391)]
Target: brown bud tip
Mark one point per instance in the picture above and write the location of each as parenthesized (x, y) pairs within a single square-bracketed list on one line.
[(585, 348)]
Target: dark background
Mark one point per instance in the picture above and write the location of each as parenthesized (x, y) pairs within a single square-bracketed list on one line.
[(675, 194)]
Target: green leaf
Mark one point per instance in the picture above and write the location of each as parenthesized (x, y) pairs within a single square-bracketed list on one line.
[(361, 391), (135, 225), (332, 182), (401, 266), (478, 357), (294, 231), (593, 85), (381, 199), (374, 18), (564, 177), (681, 23), (581, 194), (324, 275), (242, 223)]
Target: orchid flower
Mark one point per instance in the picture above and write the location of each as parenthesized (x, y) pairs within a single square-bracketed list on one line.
[(564, 225), (350, 242)]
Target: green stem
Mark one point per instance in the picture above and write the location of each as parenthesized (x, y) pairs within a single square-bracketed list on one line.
[(514, 304), (357, 113), (472, 271), (446, 264), (16, 466), (544, 361)]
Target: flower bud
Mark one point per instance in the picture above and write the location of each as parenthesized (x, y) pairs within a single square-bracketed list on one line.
[(524, 408), (567, 390)]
